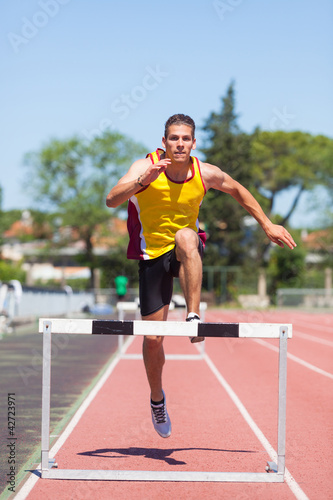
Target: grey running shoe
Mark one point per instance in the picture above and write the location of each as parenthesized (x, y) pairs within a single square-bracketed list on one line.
[(161, 419), (196, 318)]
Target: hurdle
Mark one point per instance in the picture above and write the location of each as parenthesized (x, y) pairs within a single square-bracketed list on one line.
[(48, 326), (133, 307)]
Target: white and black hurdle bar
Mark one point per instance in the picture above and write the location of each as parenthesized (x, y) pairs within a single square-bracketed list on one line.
[(164, 328), (133, 307)]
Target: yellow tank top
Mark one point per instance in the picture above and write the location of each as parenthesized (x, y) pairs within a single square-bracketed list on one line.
[(158, 211)]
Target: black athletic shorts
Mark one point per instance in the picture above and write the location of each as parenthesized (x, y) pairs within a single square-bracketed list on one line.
[(156, 280)]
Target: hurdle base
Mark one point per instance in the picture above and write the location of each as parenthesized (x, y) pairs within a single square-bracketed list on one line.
[(51, 464), (162, 476), (271, 467)]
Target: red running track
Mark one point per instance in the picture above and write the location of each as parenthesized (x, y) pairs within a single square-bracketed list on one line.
[(208, 431)]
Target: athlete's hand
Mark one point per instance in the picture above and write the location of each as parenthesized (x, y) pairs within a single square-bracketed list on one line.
[(153, 171), (279, 235)]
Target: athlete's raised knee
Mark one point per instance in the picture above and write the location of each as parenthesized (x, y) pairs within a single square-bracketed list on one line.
[(186, 243), (186, 239)]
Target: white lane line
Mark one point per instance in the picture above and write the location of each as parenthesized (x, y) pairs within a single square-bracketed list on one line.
[(293, 485), (306, 336), (30, 483), (296, 359)]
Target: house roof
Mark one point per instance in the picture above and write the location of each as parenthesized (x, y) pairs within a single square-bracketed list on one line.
[(321, 240), (18, 228)]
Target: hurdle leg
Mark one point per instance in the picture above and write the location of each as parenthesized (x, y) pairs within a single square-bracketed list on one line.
[(46, 462), (46, 389), (282, 399), (121, 308), (203, 307), (120, 337), (281, 452)]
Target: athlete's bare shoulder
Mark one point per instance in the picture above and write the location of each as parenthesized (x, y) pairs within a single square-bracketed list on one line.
[(212, 175), (137, 168), (143, 163)]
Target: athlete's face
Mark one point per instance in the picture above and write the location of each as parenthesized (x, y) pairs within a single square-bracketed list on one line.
[(179, 143)]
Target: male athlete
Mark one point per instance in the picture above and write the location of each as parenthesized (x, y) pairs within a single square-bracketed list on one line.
[(165, 191)]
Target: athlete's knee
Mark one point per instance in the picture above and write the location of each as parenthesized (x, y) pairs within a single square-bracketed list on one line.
[(153, 343), (186, 243), (152, 350), (186, 239)]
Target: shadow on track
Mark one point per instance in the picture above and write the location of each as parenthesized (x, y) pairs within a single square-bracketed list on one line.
[(152, 453)]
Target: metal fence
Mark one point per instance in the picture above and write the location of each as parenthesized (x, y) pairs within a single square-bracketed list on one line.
[(37, 302), (305, 297)]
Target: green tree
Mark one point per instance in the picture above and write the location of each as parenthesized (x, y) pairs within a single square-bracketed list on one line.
[(230, 149), (291, 159), (267, 163), (73, 177), (1, 217), (284, 160), (10, 271), (286, 269)]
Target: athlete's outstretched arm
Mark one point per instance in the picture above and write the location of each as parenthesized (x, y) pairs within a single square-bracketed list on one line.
[(217, 179)]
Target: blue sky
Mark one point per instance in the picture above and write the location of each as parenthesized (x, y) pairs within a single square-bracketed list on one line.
[(78, 66)]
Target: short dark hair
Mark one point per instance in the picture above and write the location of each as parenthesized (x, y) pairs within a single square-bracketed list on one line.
[(179, 119)]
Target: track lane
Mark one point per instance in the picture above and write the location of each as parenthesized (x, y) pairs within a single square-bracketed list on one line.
[(309, 406)]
